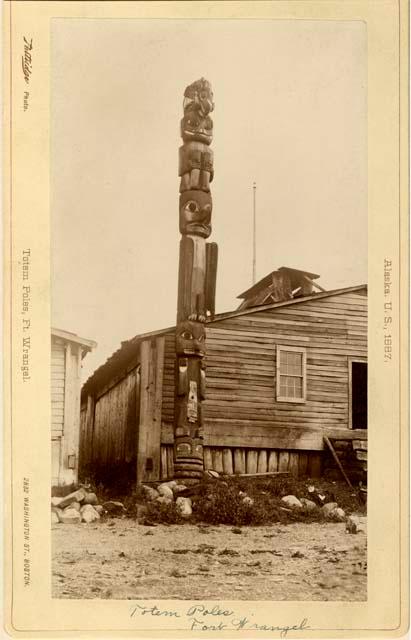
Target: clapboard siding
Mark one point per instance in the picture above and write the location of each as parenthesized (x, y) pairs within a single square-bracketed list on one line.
[(241, 372), (58, 364)]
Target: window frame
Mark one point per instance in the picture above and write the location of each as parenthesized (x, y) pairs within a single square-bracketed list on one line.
[(303, 351)]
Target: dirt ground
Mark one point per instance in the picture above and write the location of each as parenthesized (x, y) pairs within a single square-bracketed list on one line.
[(117, 558)]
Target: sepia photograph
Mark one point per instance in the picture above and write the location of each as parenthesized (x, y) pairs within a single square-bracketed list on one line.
[(206, 296), (209, 310)]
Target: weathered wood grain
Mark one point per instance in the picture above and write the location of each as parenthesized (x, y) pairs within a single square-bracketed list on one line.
[(208, 460), (149, 434), (302, 463), (239, 461), (227, 461), (163, 455), (283, 460), (273, 461), (170, 462), (251, 461), (218, 460), (293, 463)]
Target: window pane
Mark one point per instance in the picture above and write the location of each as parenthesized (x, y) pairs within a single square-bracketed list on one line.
[(297, 364), (291, 363), (291, 387), (291, 374)]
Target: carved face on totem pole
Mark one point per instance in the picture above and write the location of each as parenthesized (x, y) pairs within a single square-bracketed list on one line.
[(194, 127), (190, 339), (198, 104), (195, 213), (199, 96)]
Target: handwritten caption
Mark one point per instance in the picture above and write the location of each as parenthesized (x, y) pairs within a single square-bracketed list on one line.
[(200, 618), (26, 65)]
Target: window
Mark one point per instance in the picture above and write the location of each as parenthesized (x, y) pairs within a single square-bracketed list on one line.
[(291, 374)]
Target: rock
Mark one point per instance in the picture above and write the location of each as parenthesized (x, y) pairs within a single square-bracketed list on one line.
[(212, 473), (164, 500), (76, 496), (170, 483), (179, 488), (56, 501), (99, 508), (166, 491), (353, 524), (70, 516), (297, 554), (150, 492), (54, 518), (308, 504), (242, 494), (74, 505), (338, 514), (113, 507), (91, 498), (89, 514), (328, 507), (184, 506), (292, 501), (248, 500)]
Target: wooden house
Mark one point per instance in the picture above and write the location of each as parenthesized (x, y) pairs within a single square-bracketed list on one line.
[(67, 352), (280, 376)]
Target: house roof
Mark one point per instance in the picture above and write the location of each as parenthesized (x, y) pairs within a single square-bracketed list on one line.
[(73, 337), (129, 348), (295, 274), (285, 303)]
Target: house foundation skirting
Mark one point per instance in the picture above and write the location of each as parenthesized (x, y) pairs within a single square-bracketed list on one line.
[(239, 460)]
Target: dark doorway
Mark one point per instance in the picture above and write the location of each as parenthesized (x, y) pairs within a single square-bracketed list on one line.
[(359, 395)]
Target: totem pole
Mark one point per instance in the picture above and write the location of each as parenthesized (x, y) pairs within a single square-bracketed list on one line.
[(196, 278)]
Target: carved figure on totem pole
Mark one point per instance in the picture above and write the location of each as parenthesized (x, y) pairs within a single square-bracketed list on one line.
[(190, 391), (195, 166), (195, 156), (197, 275), (198, 96), (195, 213)]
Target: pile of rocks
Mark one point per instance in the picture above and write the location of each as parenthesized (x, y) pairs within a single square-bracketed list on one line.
[(82, 506), (330, 510), (167, 493)]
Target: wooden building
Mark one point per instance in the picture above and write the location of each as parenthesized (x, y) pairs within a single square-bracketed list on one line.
[(67, 352), (280, 376)]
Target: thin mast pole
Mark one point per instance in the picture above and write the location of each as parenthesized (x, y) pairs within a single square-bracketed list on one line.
[(254, 231)]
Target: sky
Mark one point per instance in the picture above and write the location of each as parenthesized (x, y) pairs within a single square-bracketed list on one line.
[(290, 114)]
